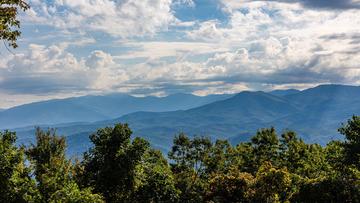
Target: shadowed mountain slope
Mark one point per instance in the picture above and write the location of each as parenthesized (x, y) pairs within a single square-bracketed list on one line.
[(315, 114)]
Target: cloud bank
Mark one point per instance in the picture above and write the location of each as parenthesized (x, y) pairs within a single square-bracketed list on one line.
[(145, 48)]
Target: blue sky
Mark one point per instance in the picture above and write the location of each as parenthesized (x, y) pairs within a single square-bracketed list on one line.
[(159, 47)]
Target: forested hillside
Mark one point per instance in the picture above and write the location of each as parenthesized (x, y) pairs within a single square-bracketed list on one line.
[(315, 114), (268, 168)]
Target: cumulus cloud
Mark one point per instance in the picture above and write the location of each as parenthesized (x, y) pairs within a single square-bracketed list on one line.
[(99, 59), (207, 31), (333, 4), (260, 45), (161, 49), (120, 18), (276, 43), (43, 70), (316, 4)]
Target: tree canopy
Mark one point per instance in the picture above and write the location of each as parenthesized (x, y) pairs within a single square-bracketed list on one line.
[(119, 168)]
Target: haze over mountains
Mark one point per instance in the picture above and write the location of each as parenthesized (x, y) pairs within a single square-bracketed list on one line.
[(95, 108), (314, 113)]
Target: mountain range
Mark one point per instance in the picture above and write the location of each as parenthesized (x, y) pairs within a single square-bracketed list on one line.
[(315, 114), (94, 108)]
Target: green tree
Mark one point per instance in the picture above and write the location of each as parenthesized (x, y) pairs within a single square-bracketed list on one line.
[(9, 23), (110, 166), (53, 172), (155, 182), (233, 186), (307, 160), (334, 155), (218, 158), (51, 169), (341, 180), (243, 157), (16, 184), (189, 168), (272, 185), (329, 189), (190, 154), (266, 147), (351, 131), (72, 193)]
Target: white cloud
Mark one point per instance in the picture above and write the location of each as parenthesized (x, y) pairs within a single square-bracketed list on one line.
[(190, 3), (43, 70), (312, 4), (208, 31), (276, 39), (160, 49), (99, 59), (120, 18), (262, 44)]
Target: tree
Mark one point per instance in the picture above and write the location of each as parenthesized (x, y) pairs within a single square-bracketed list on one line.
[(155, 182), (189, 168), (218, 159), (351, 131), (53, 172), (72, 193), (307, 160), (334, 155), (9, 23), (233, 186), (329, 189), (16, 184), (120, 169), (265, 146), (110, 166), (272, 185), (243, 157), (190, 154), (51, 169)]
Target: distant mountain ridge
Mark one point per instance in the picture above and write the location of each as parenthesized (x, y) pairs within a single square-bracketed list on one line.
[(95, 108), (284, 92), (315, 113)]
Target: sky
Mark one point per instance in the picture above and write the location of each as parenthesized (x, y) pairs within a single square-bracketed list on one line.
[(160, 47)]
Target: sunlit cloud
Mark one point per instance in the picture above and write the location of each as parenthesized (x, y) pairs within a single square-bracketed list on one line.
[(156, 48)]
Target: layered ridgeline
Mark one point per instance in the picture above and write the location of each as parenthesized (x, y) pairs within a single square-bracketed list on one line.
[(96, 108), (314, 113)]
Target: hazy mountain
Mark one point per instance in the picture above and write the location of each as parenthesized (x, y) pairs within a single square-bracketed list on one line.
[(95, 108), (325, 94), (284, 92), (314, 113)]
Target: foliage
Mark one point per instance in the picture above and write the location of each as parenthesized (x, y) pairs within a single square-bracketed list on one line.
[(189, 166), (9, 24), (155, 182), (110, 166), (53, 172), (268, 168), (72, 193), (272, 185), (16, 184), (351, 131), (233, 186)]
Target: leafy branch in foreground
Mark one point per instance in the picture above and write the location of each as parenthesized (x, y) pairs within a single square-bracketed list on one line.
[(9, 23)]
